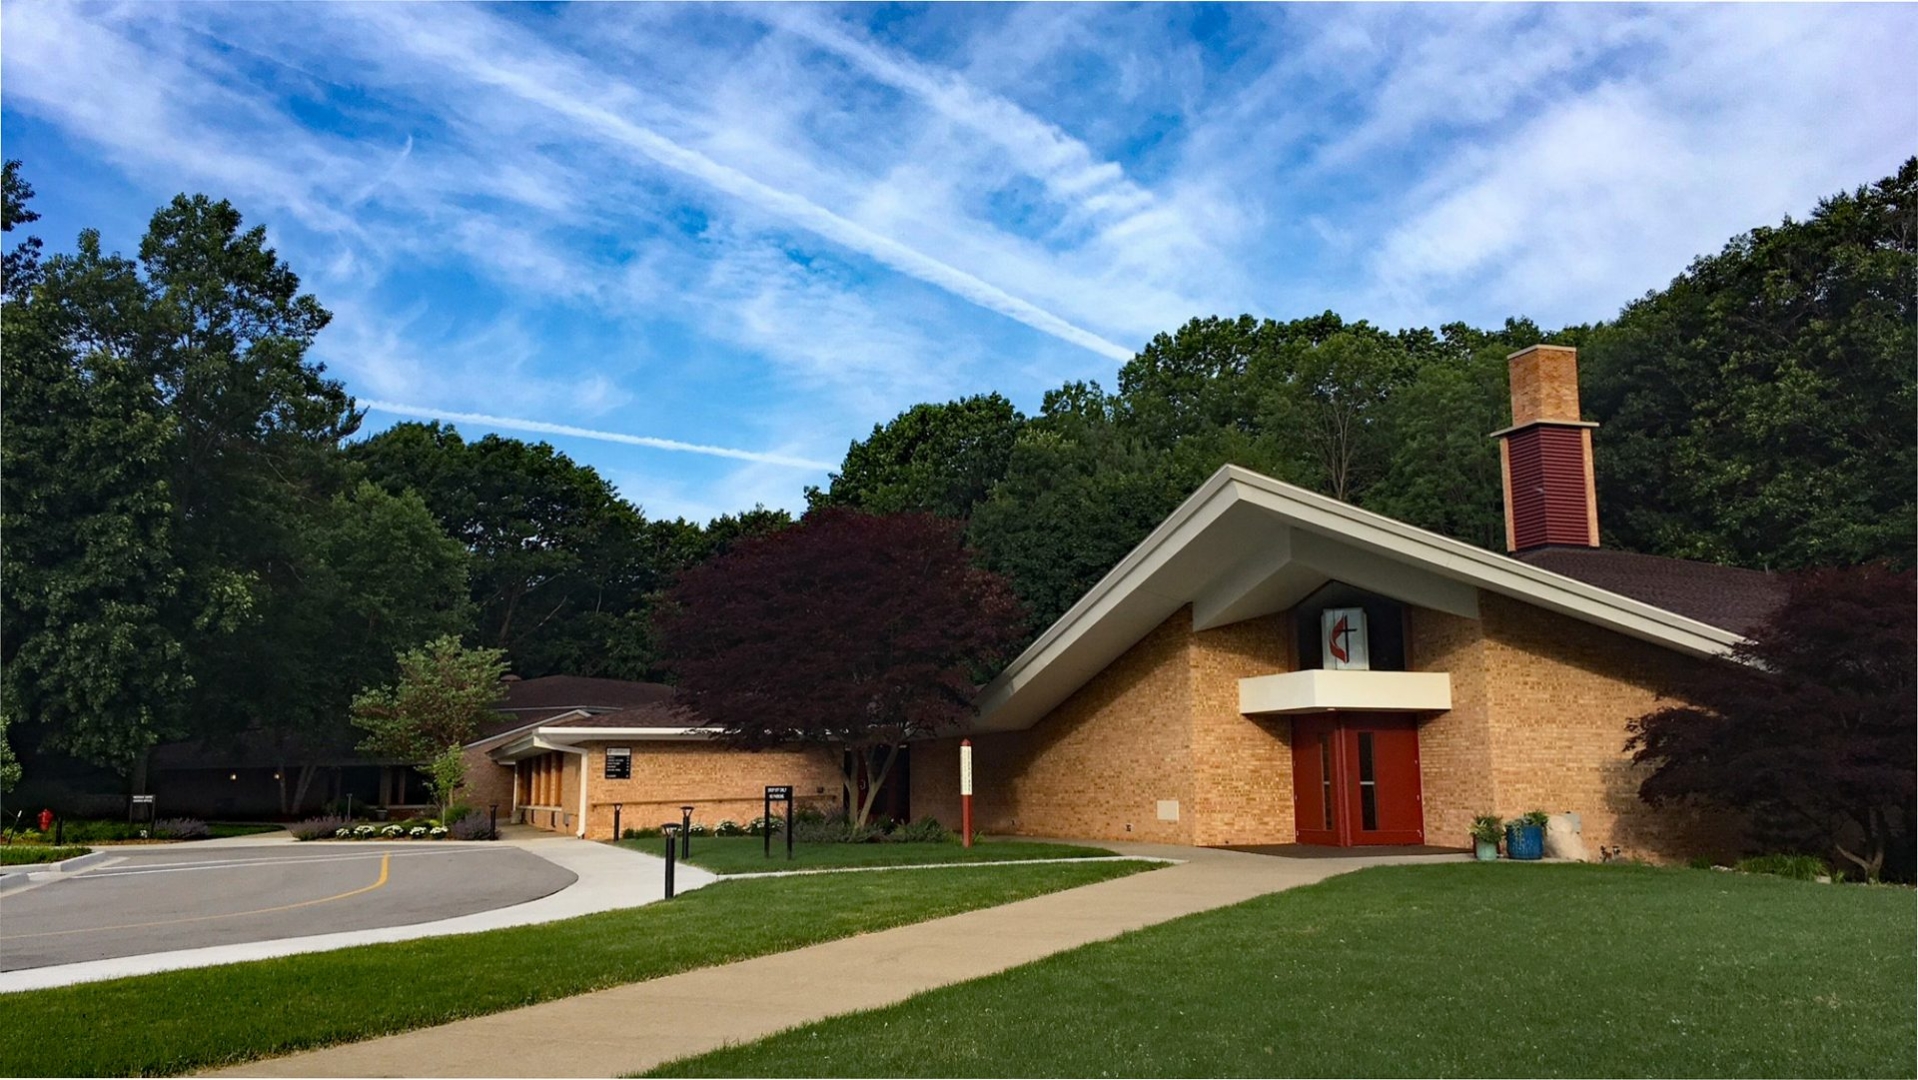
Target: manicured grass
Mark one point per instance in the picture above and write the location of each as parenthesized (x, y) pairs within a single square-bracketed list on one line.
[(1445, 970), (747, 854), (28, 854), (179, 1021)]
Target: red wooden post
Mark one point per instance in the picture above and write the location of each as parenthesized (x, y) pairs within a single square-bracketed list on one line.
[(965, 790)]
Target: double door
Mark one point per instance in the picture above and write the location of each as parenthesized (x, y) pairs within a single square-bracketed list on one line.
[(1355, 780)]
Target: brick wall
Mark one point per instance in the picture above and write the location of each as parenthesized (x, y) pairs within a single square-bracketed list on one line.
[(718, 783), (1455, 747), (488, 783), (1562, 692), (1095, 767), (1242, 765)]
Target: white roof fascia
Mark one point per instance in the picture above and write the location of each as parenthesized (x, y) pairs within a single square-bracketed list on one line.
[(1319, 516), (508, 733)]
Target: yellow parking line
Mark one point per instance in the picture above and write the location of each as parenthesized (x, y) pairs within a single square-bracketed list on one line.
[(385, 866)]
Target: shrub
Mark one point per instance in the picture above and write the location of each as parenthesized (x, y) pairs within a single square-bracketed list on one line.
[(651, 833), (754, 826), (393, 831), (728, 827), (926, 830), (457, 812), (180, 829), (1487, 829), (362, 832), (836, 829), (1795, 867), (472, 827), (317, 828)]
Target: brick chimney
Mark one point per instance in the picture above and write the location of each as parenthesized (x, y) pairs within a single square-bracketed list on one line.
[(1546, 455)]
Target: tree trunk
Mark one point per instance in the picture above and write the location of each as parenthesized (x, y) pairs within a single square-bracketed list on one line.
[(874, 780), (307, 772)]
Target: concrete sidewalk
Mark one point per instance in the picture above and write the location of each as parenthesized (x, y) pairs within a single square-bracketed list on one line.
[(631, 1028)]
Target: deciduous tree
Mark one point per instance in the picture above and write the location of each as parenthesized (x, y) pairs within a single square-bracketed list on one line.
[(445, 691), (936, 459), (1811, 725), (851, 632)]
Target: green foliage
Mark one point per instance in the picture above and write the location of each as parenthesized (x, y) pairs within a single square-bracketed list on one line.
[(9, 764), (1488, 829), (1795, 867), (1758, 411), (936, 459), (444, 692), (22, 264), (446, 774)]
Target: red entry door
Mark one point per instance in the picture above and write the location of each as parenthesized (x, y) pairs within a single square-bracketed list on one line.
[(1356, 781)]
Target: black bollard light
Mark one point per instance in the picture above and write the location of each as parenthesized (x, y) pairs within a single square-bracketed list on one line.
[(616, 809), (669, 828), (59, 830), (686, 832), (492, 821)]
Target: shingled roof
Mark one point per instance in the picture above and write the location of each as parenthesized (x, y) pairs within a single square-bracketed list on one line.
[(529, 701), (1728, 597)]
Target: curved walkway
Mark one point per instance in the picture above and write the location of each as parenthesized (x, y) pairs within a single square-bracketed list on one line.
[(607, 878), (632, 1028)]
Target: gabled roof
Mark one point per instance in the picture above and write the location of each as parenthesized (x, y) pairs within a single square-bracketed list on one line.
[(528, 702), (1245, 545)]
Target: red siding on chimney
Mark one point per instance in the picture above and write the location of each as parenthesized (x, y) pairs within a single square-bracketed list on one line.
[(1549, 498)]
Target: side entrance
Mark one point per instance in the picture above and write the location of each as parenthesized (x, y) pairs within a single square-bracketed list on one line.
[(1355, 780)]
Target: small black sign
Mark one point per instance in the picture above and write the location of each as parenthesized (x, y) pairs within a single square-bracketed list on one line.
[(781, 793), (619, 764)]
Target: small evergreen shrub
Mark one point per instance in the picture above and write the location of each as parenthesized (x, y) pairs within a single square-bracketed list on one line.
[(473, 827)]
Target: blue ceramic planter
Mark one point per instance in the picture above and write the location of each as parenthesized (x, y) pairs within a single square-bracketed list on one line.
[(1524, 842)]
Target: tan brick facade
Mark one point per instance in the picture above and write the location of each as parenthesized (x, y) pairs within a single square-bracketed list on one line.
[(719, 784), (1539, 707), (1544, 384)]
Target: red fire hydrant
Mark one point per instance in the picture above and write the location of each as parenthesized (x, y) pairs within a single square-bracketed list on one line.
[(46, 820)]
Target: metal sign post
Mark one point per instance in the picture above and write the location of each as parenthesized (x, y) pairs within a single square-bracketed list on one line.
[(965, 791), (135, 808), (777, 793), (671, 843)]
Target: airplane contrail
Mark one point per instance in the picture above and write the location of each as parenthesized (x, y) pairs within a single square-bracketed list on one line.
[(520, 424)]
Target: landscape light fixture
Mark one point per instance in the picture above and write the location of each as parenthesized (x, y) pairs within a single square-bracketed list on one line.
[(686, 832)]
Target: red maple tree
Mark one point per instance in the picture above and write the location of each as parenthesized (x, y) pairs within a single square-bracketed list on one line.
[(1810, 726), (852, 632)]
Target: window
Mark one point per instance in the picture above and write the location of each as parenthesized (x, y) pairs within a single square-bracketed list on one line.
[(1368, 785)]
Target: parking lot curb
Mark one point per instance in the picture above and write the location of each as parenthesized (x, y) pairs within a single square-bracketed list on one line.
[(27, 875)]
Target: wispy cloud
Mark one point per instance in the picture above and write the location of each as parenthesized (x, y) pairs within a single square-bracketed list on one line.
[(515, 423)]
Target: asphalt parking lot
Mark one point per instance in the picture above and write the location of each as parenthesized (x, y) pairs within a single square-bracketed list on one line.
[(160, 899)]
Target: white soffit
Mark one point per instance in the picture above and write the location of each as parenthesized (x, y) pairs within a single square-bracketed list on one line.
[(1337, 691), (1245, 545)]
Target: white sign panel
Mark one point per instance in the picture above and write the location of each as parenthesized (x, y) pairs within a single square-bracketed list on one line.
[(965, 769), (1342, 634)]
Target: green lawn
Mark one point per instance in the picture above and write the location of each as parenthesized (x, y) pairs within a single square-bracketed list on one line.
[(747, 854), (29, 854), (184, 1020), (1445, 970)]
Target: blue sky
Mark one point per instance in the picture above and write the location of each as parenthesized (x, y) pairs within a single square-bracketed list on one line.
[(702, 248)]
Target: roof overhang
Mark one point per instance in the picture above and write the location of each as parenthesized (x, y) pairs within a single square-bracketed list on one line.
[(1246, 545), (1296, 692), (548, 740)]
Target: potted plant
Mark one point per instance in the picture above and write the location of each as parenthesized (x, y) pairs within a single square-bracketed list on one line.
[(1486, 830), (1525, 836)]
